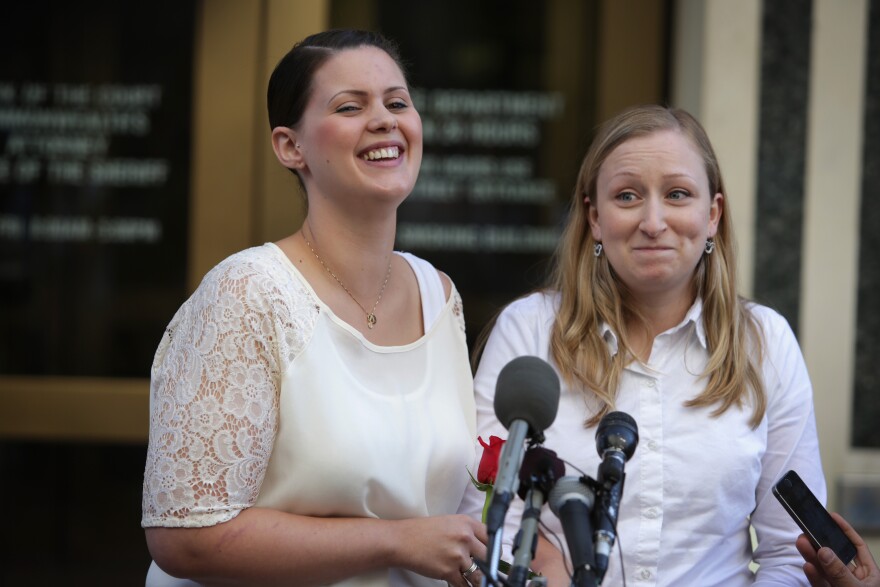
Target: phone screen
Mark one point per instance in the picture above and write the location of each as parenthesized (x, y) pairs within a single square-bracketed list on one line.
[(812, 517)]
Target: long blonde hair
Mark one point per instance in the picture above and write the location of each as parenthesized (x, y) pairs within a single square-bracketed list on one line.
[(592, 295)]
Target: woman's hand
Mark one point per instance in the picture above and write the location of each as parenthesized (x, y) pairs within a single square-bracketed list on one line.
[(824, 569), (442, 547)]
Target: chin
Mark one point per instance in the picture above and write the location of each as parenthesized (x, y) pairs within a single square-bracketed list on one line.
[(396, 189), (651, 283), (390, 196)]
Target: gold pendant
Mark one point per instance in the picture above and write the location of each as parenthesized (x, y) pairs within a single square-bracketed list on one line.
[(371, 320)]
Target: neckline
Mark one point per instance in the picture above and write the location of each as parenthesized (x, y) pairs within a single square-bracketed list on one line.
[(345, 325)]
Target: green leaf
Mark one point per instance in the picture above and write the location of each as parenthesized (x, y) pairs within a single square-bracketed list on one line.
[(480, 486)]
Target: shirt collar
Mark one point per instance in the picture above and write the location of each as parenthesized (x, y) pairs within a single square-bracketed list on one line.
[(692, 316)]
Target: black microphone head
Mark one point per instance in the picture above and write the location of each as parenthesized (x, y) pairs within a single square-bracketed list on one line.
[(570, 488), (617, 431), (541, 468), (527, 389)]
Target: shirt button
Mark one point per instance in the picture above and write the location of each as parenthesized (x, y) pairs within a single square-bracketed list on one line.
[(651, 513), (645, 574), (650, 383), (652, 445)]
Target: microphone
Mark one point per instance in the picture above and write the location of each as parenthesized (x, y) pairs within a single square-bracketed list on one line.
[(572, 502), (537, 477), (616, 440), (526, 402)]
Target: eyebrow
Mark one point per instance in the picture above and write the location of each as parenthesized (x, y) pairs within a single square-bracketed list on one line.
[(362, 93), (673, 175)]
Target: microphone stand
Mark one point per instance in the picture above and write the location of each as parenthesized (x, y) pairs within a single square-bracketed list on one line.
[(527, 541), (508, 466), (604, 516), (526, 402), (540, 470)]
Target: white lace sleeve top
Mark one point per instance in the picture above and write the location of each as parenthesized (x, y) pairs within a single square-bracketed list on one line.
[(261, 396)]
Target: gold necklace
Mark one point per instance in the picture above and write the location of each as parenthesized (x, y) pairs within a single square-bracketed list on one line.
[(371, 315)]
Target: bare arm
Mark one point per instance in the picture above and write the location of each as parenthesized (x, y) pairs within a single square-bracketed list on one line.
[(549, 562), (267, 547)]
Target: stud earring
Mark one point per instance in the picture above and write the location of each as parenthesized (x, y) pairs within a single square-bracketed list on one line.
[(597, 250), (710, 246), (297, 145)]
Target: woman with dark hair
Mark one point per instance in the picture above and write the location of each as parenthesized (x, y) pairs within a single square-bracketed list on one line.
[(312, 413), (641, 315)]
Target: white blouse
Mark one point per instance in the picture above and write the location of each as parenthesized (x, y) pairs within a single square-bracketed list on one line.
[(261, 396), (695, 482)]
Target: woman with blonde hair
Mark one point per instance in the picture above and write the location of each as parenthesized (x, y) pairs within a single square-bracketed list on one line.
[(641, 315)]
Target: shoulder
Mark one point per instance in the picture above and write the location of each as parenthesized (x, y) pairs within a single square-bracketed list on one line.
[(255, 274), (254, 292), (427, 270), (258, 261), (526, 322), (538, 308), (783, 365), (773, 326), (522, 328), (255, 282)]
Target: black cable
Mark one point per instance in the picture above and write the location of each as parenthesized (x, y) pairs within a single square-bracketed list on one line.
[(575, 467), (568, 570)]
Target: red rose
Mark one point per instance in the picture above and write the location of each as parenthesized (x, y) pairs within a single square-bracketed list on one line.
[(485, 481), (488, 468)]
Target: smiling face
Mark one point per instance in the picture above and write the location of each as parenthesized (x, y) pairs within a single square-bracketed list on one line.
[(360, 132), (653, 211)]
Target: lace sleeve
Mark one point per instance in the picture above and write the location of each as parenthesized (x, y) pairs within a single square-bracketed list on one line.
[(214, 397), (458, 309)]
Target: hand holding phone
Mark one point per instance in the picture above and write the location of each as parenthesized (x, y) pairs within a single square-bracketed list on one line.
[(829, 571), (812, 517)]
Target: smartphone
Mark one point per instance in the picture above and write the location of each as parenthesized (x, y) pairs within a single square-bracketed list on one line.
[(812, 517)]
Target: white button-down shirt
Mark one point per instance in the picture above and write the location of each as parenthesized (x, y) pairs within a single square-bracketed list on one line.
[(695, 482)]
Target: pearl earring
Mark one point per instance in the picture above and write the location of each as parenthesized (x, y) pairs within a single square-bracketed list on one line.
[(597, 250)]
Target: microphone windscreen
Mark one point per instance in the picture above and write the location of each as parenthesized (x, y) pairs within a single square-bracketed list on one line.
[(617, 430), (527, 389), (567, 489), (540, 468)]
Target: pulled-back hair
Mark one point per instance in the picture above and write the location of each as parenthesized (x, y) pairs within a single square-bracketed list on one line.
[(290, 85), (591, 294)]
